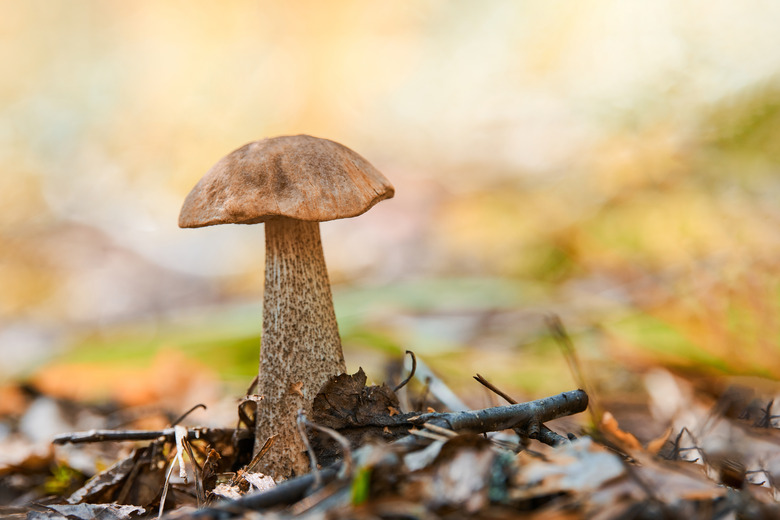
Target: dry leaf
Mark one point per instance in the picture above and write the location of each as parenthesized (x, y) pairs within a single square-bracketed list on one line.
[(579, 467), (259, 481), (609, 426), (654, 446), (95, 511), (462, 475), (225, 490)]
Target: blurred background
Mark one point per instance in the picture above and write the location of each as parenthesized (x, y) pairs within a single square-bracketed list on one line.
[(615, 163)]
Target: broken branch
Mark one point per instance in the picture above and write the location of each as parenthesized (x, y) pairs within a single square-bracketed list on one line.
[(508, 417), (544, 434), (143, 435)]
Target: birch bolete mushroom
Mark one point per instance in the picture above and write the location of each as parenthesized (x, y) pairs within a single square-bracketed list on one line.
[(291, 184)]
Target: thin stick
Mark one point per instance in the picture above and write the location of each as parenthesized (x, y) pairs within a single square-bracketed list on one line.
[(134, 435), (320, 494), (346, 469), (185, 414), (545, 435), (411, 372), (508, 417), (676, 446), (301, 421), (494, 389), (284, 493), (765, 421)]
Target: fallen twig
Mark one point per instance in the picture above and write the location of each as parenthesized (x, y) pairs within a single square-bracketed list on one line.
[(522, 415), (143, 435), (301, 422), (512, 416), (284, 493), (549, 437), (544, 434), (343, 442), (321, 493)]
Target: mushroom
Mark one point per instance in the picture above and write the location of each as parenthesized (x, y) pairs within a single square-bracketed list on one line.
[(290, 183)]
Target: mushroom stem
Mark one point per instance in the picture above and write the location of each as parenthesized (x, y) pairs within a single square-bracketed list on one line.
[(301, 346)]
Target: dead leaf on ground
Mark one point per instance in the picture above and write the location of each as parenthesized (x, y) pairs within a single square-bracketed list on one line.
[(467, 473), (355, 410), (88, 512), (346, 401), (259, 481), (610, 428), (137, 480), (578, 467)]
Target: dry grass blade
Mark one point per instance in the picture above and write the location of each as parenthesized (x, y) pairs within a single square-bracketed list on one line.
[(197, 470), (438, 429), (559, 334), (428, 435), (255, 462), (165, 488)]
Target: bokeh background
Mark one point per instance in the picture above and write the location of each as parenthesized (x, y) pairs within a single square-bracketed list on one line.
[(616, 163)]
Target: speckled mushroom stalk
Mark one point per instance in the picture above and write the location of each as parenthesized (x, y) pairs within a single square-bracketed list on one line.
[(291, 183), (301, 347)]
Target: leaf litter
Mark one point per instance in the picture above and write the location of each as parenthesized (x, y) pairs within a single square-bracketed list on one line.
[(373, 457)]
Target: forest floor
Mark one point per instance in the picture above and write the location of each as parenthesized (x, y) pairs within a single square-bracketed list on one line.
[(689, 445)]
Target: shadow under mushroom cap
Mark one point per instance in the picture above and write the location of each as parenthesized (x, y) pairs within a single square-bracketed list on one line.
[(300, 177)]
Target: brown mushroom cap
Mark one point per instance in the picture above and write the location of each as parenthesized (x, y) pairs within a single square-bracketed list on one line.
[(300, 177)]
